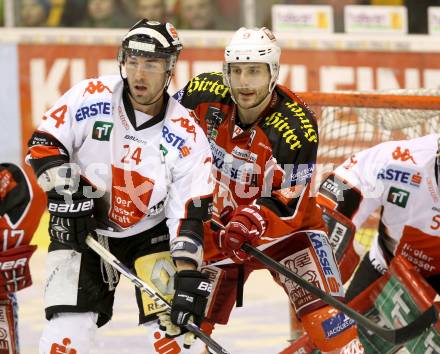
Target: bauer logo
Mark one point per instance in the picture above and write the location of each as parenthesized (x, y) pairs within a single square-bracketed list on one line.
[(70, 208), (336, 325), (102, 131), (398, 197)]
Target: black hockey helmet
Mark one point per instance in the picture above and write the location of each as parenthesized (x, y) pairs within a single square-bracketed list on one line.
[(151, 39)]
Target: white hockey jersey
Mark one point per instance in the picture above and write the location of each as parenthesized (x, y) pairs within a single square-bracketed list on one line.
[(143, 176), (400, 177)]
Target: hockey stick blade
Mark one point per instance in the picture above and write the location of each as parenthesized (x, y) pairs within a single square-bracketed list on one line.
[(115, 263), (395, 336)]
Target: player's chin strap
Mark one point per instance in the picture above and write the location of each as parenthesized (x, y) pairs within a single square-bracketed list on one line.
[(395, 336), (151, 292)]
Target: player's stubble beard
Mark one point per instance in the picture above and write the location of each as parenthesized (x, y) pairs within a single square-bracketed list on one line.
[(249, 114), (149, 104)]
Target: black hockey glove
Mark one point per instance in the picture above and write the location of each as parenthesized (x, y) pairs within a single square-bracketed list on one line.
[(192, 289), (70, 220)]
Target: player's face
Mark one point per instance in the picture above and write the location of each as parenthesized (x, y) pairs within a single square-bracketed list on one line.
[(249, 83), (146, 78)]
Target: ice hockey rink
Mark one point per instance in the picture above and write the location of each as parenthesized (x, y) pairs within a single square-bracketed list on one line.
[(260, 327)]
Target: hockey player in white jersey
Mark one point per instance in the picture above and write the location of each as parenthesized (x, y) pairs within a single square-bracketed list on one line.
[(117, 155), (401, 178)]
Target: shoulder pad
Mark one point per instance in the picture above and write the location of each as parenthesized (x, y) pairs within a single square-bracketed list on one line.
[(291, 126), (203, 88), (15, 191)]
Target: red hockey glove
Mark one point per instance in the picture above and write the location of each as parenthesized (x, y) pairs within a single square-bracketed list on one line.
[(15, 273), (246, 225)]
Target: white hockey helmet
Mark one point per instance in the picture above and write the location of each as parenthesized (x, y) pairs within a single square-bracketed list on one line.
[(257, 45)]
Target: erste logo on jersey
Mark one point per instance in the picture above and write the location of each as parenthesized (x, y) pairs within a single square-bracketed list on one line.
[(172, 138), (95, 109), (400, 175)]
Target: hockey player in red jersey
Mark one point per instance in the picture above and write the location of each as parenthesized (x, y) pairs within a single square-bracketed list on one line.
[(401, 178), (264, 142), (118, 156), (22, 204)]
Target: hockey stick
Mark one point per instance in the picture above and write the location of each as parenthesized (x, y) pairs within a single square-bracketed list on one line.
[(115, 263), (395, 336)]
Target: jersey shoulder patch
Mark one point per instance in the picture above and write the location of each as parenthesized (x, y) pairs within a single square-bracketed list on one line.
[(290, 125), (204, 88), (93, 98), (181, 125)]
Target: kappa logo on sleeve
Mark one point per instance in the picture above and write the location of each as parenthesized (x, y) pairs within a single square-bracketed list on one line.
[(187, 125), (350, 163), (404, 155), (97, 87)]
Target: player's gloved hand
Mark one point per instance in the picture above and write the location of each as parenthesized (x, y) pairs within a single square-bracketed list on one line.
[(192, 289), (15, 273), (70, 221), (171, 330), (71, 211), (246, 224)]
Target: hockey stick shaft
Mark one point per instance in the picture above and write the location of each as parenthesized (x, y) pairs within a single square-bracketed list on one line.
[(115, 263), (395, 336)]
